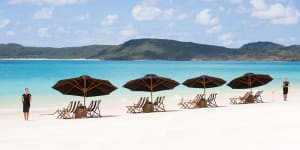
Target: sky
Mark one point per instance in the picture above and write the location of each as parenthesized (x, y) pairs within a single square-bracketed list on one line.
[(230, 23)]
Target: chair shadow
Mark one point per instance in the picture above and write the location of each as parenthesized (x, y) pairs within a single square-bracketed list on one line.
[(220, 106), (266, 102), (104, 116), (175, 110)]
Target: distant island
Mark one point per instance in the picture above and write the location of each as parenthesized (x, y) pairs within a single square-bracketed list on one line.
[(158, 49)]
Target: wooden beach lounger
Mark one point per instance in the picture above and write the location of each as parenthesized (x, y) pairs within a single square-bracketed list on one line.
[(68, 114), (61, 111), (240, 100), (257, 97), (211, 100), (191, 103), (138, 107), (94, 110), (159, 104)]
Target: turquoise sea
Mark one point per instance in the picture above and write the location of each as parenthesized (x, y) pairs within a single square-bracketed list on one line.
[(40, 75)]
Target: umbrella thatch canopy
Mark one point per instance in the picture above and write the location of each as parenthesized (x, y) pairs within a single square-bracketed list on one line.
[(204, 82), (250, 80), (84, 86), (151, 83)]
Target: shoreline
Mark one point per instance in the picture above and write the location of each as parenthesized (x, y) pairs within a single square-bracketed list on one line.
[(48, 59), (141, 60)]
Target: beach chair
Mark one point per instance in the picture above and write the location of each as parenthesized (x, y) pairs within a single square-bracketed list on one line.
[(240, 100), (185, 104), (92, 104), (211, 100), (191, 103), (130, 109), (68, 114), (138, 107), (196, 103), (94, 110), (61, 111), (182, 104), (257, 97), (159, 104)]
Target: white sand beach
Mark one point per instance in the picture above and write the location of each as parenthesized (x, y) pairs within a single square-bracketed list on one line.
[(271, 125)]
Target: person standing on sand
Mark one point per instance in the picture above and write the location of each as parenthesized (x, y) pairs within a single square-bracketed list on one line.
[(285, 86), (26, 100)]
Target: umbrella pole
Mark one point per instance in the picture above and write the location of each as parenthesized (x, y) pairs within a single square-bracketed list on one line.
[(84, 100), (250, 84), (204, 89), (151, 87), (84, 90), (151, 96)]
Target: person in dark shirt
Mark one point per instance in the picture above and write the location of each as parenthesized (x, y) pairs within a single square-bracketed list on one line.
[(26, 100), (285, 88)]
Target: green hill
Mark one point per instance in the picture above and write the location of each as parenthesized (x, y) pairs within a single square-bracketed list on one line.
[(18, 51), (154, 49), (262, 46), (158, 49)]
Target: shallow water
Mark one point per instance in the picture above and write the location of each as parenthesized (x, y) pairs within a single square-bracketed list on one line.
[(40, 75)]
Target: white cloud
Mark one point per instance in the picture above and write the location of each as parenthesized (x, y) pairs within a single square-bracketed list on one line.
[(27, 30), (169, 13), (258, 4), (204, 17), (226, 39), (128, 31), (10, 33), (44, 13), (145, 12), (182, 16), (287, 40), (236, 1), (172, 14), (169, 26), (222, 9), (110, 20), (277, 13), (210, 0), (150, 2), (240, 9), (4, 22), (148, 11), (214, 29), (43, 32), (63, 30), (82, 17), (230, 1), (49, 2)]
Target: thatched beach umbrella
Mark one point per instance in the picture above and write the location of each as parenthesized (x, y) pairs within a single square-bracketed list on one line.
[(84, 86), (204, 82), (151, 83), (250, 80)]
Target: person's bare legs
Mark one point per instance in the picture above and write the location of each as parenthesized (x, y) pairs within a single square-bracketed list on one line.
[(285, 97), (27, 115)]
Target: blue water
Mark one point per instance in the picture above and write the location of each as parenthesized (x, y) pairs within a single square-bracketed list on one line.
[(40, 75)]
